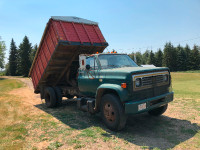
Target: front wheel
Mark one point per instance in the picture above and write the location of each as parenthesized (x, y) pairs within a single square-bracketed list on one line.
[(158, 111), (113, 112)]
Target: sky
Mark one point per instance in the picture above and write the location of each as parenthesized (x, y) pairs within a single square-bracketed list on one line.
[(127, 25)]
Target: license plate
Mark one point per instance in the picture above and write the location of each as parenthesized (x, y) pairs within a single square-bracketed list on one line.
[(142, 106)]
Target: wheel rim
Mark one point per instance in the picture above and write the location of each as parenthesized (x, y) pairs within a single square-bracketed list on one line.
[(109, 112)]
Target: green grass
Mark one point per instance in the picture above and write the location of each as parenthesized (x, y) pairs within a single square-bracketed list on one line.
[(186, 85), (12, 127), (54, 145), (89, 132), (9, 84), (189, 71), (2, 73)]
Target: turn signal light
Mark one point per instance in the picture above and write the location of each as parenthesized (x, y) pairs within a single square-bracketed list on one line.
[(123, 85)]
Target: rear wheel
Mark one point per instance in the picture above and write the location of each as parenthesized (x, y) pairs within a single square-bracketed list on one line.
[(50, 97), (113, 112), (58, 93), (158, 111)]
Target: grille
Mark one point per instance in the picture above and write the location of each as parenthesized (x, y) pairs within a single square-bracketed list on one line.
[(159, 79), (150, 80), (147, 81)]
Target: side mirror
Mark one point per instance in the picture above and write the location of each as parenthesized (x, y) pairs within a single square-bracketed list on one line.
[(87, 67)]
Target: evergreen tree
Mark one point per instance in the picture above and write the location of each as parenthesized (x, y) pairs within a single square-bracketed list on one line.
[(151, 59), (159, 58), (24, 62), (18, 71), (12, 59), (174, 58), (33, 52), (188, 57), (181, 59), (170, 57), (138, 57), (195, 58), (2, 53), (145, 57)]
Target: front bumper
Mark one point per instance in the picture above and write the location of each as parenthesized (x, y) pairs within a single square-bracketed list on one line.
[(151, 103)]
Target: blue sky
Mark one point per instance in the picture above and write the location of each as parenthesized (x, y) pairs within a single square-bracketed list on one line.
[(127, 25)]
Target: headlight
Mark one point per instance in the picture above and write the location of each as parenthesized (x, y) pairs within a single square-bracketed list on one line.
[(138, 82), (165, 77)]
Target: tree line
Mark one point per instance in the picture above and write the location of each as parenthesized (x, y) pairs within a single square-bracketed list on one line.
[(177, 58), (20, 58)]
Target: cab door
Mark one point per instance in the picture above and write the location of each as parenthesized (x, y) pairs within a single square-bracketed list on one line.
[(88, 80)]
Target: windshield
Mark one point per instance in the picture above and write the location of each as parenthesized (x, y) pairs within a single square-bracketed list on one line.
[(116, 61)]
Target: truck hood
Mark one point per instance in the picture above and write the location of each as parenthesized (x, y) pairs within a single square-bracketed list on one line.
[(134, 69)]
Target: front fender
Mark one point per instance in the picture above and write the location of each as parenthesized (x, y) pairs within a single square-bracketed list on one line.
[(110, 88), (122, 93)]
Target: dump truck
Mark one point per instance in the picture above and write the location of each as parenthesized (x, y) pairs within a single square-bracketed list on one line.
[(70, 63)]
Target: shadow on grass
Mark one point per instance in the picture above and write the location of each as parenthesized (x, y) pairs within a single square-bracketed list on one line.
[(2, 78), (143, 130)]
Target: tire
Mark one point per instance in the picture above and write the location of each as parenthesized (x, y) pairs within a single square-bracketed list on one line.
[(158, 111), (58, 93), (69, 96), (112, 112), (50, 97)]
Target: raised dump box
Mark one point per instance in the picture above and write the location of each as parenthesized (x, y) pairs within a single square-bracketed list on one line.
[(57, 58)]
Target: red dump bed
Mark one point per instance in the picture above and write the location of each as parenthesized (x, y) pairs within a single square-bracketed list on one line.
[(63, 40)]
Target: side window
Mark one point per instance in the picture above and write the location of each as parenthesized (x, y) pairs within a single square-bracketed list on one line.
[(92, 62)]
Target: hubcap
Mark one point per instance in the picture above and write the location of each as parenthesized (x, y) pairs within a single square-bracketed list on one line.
[(109, 112)]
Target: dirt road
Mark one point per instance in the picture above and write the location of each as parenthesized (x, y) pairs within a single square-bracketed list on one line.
[(27, 92)]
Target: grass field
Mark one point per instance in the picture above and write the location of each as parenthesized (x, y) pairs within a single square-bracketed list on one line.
[(26, 124)]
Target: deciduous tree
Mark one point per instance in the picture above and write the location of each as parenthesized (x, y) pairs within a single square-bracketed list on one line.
[(2, 53)]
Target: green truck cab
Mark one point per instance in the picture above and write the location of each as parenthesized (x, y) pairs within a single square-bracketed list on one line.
[(120, 87)]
